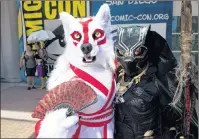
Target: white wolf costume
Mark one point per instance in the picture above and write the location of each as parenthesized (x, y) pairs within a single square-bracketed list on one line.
[(89, 56)]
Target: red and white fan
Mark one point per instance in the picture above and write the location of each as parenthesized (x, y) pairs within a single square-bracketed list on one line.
[(74, 95)]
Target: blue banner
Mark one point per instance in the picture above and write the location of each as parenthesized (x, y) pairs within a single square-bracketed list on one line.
[(157, 13)]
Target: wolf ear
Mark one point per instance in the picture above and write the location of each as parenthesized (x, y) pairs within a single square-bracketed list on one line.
[(66, 19), (103, 15)]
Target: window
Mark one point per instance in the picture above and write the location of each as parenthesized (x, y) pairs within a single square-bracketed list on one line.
[(176, 28)]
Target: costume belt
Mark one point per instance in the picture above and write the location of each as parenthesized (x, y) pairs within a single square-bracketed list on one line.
[(101, 120)]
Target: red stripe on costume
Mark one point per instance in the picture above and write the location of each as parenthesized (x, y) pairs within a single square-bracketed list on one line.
[(85, 29), (104, 115), (116, 63), (92, 124), (105, 132), (106, 104), (37, 128), (100, 116), (76, 135), (95, 124), (85, 76), (110, 95)]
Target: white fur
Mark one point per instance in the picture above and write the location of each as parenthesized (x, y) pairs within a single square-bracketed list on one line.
[(73, 54), (56, 125), (101, 69)]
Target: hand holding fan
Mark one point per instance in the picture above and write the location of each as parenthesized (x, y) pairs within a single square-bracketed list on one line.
[(73, 95)]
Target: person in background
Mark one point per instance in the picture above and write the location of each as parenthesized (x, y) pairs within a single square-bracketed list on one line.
[(30, 65), (41, 58)]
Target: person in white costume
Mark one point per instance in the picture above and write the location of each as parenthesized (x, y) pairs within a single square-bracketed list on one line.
[(89, 56)]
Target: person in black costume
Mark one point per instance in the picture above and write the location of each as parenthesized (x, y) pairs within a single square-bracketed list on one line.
[(142, 109)]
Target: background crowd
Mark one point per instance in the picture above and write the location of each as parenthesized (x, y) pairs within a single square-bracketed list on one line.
[(34, 64)]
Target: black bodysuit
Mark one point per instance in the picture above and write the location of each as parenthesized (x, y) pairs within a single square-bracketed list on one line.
[(141, 109)]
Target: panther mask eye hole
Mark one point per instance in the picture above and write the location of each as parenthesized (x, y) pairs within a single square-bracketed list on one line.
[(138, 51)]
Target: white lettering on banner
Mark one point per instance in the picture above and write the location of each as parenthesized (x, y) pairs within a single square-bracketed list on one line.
[(117, 3), (140, 17), (122, 2), (142, 2)]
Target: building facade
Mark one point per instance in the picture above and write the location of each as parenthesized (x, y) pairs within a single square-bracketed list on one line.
[(10, 71), (10, 55)]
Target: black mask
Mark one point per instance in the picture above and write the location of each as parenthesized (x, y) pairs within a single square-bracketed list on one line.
[(130, 50)]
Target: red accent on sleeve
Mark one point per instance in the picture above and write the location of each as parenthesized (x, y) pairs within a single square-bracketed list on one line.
[(105, 131), (116, 63), (37, 128)]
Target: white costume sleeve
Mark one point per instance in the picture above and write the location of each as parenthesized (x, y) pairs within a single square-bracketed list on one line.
[(56, 125)]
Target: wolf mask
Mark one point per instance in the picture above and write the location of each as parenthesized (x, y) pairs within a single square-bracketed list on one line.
[(89, 44), (89, 41)]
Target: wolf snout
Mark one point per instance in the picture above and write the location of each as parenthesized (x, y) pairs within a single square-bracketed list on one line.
[(86, 48)]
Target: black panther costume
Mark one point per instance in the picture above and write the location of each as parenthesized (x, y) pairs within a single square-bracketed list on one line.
[(142, 109)]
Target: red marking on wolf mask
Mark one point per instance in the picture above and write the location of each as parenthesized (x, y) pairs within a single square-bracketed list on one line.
[(85, 30)]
